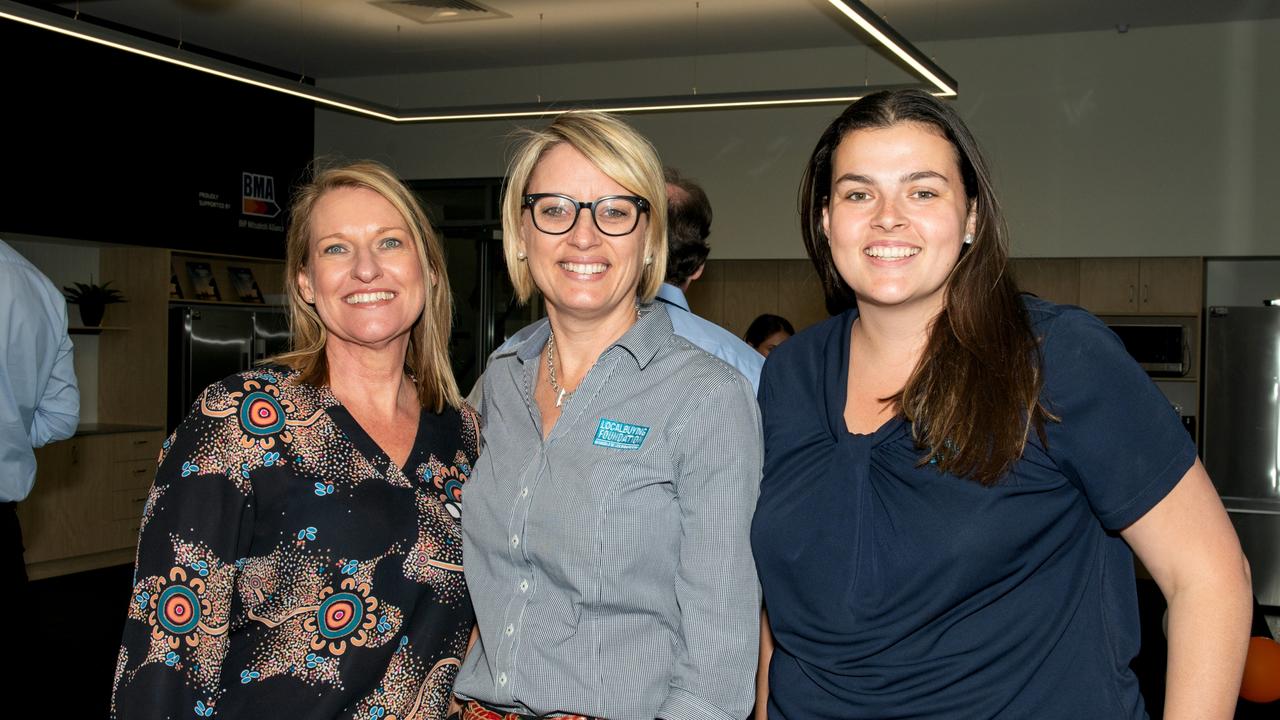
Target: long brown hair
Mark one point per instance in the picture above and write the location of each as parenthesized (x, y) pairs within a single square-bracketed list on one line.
[(427, 358), (975, 394)]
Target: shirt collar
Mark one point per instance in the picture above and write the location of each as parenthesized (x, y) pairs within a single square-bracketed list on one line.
[(529, 348), (673, 295), (643, 340)]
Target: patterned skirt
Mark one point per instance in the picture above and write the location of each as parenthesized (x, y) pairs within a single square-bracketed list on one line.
[(475, 711)]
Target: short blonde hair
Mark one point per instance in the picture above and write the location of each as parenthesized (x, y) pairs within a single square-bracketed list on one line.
[(620, 153), (427, 358)]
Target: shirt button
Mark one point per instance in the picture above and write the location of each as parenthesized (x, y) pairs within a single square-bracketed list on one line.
[(515, 541), (524, 585), (502, 679), (511, 629), (524, 492)]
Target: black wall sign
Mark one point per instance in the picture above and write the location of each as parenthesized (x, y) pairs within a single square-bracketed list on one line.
[(106, 146)]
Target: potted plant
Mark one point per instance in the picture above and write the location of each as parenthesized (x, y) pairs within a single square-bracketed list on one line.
[(93, 300)]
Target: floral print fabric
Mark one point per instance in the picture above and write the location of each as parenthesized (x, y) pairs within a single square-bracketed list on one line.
[(287, 566)]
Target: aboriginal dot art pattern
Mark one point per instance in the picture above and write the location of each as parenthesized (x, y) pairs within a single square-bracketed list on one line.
[(287, 567)]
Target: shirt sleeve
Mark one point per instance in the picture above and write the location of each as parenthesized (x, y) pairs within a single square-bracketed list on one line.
[(197, 522), (1119, 439), (720, 453), (58, 410)]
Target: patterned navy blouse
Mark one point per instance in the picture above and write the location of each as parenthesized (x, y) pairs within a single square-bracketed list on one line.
[(286, 566)]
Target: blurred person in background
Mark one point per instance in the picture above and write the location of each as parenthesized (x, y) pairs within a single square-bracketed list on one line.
[(767, 332), (688, 226), (39, 403)]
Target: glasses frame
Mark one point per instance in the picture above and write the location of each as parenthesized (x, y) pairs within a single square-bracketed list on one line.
[(529, 200)]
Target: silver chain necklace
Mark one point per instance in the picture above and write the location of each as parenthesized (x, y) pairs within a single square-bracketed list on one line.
[(561, 393)]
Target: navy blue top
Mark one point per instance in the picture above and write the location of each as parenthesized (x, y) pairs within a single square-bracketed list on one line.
[(900, 592)]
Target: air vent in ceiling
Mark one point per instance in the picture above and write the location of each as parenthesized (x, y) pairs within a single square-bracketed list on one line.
[(440, 11)]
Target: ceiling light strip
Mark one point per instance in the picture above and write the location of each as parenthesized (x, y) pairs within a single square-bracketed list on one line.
[(156, 51), (859, 13), (870, 23), (712, 101)]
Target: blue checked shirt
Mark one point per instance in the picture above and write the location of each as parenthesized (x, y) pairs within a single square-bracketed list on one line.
[(609, 565)]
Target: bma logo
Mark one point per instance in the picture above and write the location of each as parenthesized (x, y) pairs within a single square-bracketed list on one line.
[(258, 195)]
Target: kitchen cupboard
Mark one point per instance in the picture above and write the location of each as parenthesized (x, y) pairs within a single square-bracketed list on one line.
[(731, 293), (1116, 286), (1054, 279), (1147, 286), (86, 505), (84, 509)]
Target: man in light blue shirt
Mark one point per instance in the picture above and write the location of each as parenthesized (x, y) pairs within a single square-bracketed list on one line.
[(39, 402), (688, 225)]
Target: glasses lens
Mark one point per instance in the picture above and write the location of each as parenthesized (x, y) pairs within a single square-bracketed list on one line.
[(616, 216), (553, 214)]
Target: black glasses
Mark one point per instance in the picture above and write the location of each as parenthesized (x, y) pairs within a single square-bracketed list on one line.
[(614, 215)]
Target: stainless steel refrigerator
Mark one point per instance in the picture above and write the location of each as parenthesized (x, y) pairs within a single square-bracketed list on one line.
[(207, 343), (1241, 426)]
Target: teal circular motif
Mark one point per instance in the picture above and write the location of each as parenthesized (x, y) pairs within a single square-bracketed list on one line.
[(261, 414), (340, 615), (178, 609)]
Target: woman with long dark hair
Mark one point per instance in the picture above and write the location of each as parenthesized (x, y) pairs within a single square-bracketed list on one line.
[(957, 476)]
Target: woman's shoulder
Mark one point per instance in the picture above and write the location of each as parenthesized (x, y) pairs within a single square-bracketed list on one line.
[(804, 354), (1053, 318), (1069, 331), (274, 384)]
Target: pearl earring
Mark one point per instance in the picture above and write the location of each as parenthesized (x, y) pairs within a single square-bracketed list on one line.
[(520, 255), (968, 238), (648, 259)]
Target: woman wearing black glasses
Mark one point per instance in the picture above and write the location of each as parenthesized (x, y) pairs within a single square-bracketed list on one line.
[(606, 529)]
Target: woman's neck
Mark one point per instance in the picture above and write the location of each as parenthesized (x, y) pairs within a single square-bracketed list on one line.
[(579, 341), (372, 379), (894, 334)]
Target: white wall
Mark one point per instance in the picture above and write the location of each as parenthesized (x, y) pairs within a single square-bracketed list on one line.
[(1241, 282), (67, 262), (1157, 142)]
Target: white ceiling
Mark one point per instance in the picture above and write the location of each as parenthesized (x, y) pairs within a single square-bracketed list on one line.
[(346, 38)]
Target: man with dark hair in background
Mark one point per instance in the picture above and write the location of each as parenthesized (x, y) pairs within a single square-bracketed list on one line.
[(688, 225)]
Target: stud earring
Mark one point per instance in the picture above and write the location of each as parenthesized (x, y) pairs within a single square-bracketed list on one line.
[(968, 238), (520, 255), (648, 259)]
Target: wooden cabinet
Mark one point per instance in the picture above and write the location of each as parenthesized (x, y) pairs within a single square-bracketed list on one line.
[(85, 507), (133, 364), (1171, 286), (1148, 286), (1054, 279), (1109, 286), (731, 293), (1116, 286)]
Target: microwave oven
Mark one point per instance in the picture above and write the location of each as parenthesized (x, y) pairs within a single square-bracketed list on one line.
[(1160, 349)]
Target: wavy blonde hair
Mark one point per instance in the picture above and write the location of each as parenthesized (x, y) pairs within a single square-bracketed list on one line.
[(427, 359), (620, 153)]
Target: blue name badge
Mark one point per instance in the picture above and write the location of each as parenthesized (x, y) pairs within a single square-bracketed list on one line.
[(619, 435)]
